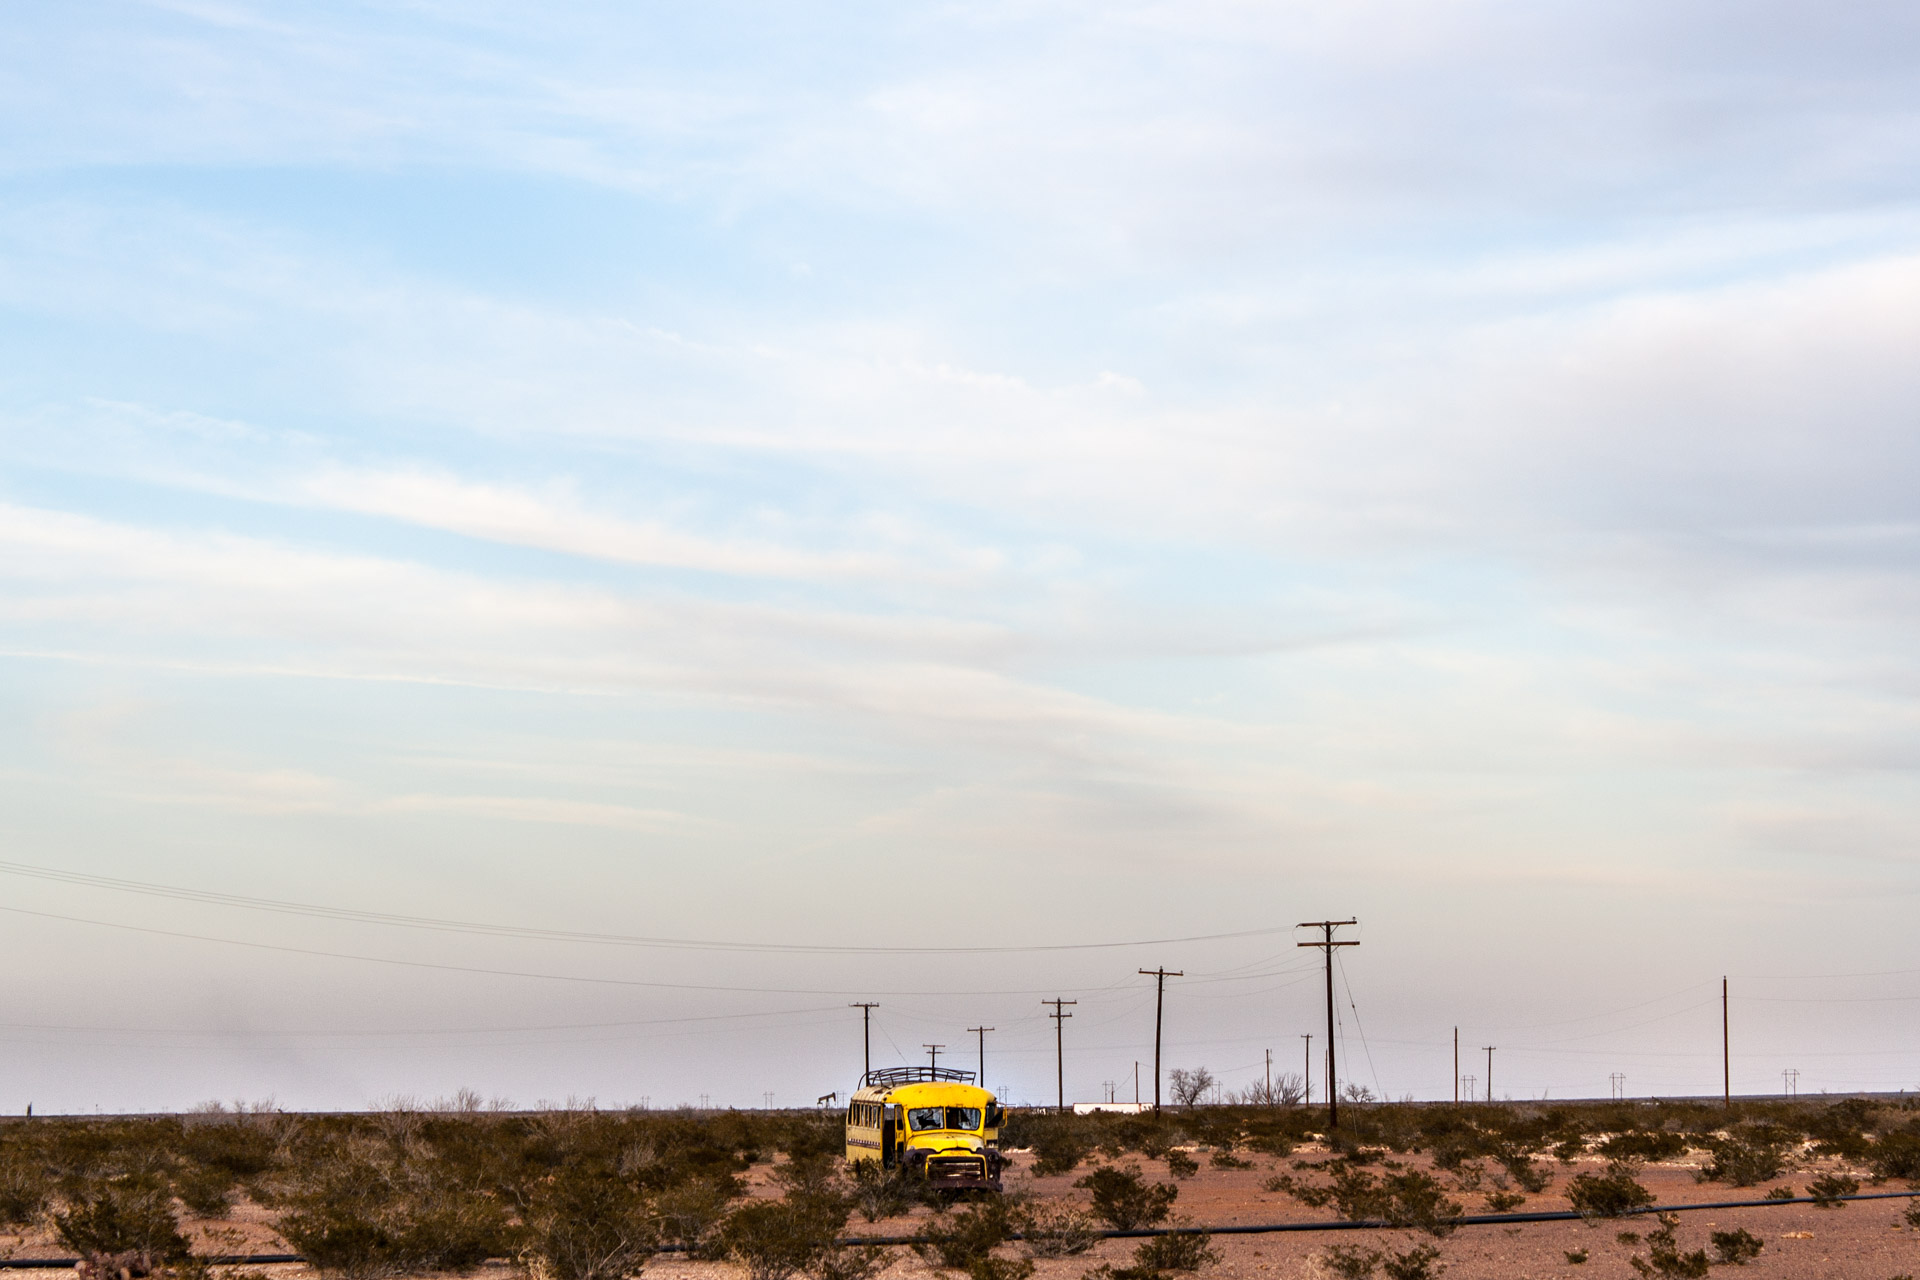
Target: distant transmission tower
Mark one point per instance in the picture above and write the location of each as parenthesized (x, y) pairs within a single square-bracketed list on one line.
[(1619, 1082), (1791, 1079)]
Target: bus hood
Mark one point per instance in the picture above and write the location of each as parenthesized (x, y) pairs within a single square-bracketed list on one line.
[(937, 1142)]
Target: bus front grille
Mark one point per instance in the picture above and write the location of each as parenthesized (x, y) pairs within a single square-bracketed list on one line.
[(940, 1168)]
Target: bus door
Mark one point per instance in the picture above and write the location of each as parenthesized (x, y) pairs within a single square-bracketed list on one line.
[(887, 1128)]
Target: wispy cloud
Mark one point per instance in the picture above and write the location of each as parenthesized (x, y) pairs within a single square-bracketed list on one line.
[(1454, 461)]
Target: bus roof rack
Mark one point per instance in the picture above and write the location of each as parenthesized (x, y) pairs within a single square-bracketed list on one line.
[(891, 1076)]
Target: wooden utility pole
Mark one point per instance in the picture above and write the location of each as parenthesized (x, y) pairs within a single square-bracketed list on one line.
[(1456, 1066), (1727, 1052), (1490, 1048), (1327, 944), (866, 1037), (1160, 977), (1268, 1096), (1060, 1048), (982, 1081), (1306, 1098), (934, 1049)]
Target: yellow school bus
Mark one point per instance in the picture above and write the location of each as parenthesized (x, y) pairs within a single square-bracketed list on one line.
[(933, 1121)]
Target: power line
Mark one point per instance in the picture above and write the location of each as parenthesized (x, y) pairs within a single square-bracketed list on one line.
[(436, 924), (217, 1033), (1364, 1046), (489, 972)]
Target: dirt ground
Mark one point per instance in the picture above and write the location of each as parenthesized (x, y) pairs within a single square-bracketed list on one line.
[(1864, 1240)]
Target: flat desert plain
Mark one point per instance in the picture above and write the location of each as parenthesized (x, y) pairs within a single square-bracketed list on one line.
[(1863, 1240)]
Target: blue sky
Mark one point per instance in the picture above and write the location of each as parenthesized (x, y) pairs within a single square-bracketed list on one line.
[(1005, 474)]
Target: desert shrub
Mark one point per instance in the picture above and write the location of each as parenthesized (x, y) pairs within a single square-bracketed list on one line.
[(1056, 1230), (1421, 1262), (208, 1191), (965, 1241), (1912, 1216), (690, 1214), (1896, 1155), (1175, 1251), (815, 1181), (1345, 1143), (1124, 1200), (1504, 1201), (1841, 1129), (1664, 1257), (1418, 1200), (1524, 1171), (1058, 1149), (848, 1262), (1351, 1261), (1224, 1159), (243, 1147), (773, 1239), (1828, 1188), (880, 1192), (813, 1137), (1779, 1193), (1609, 1194), (25, 1191), (586, 1227), (1274, 1133), (1644, 1145), (1180, 1164), (127, 1220), (1406, 1199), (991, 1267), (1146, 1133), (1743, 1160), (1568, 1148), (1576, 1256), (370, 1213), (1737, 1247)]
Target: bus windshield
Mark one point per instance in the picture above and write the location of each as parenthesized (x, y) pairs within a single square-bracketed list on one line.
[(943, 1117)]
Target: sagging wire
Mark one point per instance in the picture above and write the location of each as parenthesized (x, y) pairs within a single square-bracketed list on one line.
[(1365, 1048)]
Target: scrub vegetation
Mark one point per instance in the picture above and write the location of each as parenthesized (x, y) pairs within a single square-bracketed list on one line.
[(583, 1194)]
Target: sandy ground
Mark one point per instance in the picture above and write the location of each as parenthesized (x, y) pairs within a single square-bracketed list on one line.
[(1865, 1240)]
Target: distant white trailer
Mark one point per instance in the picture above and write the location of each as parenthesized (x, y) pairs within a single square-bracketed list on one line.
[(1124, 1108)]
